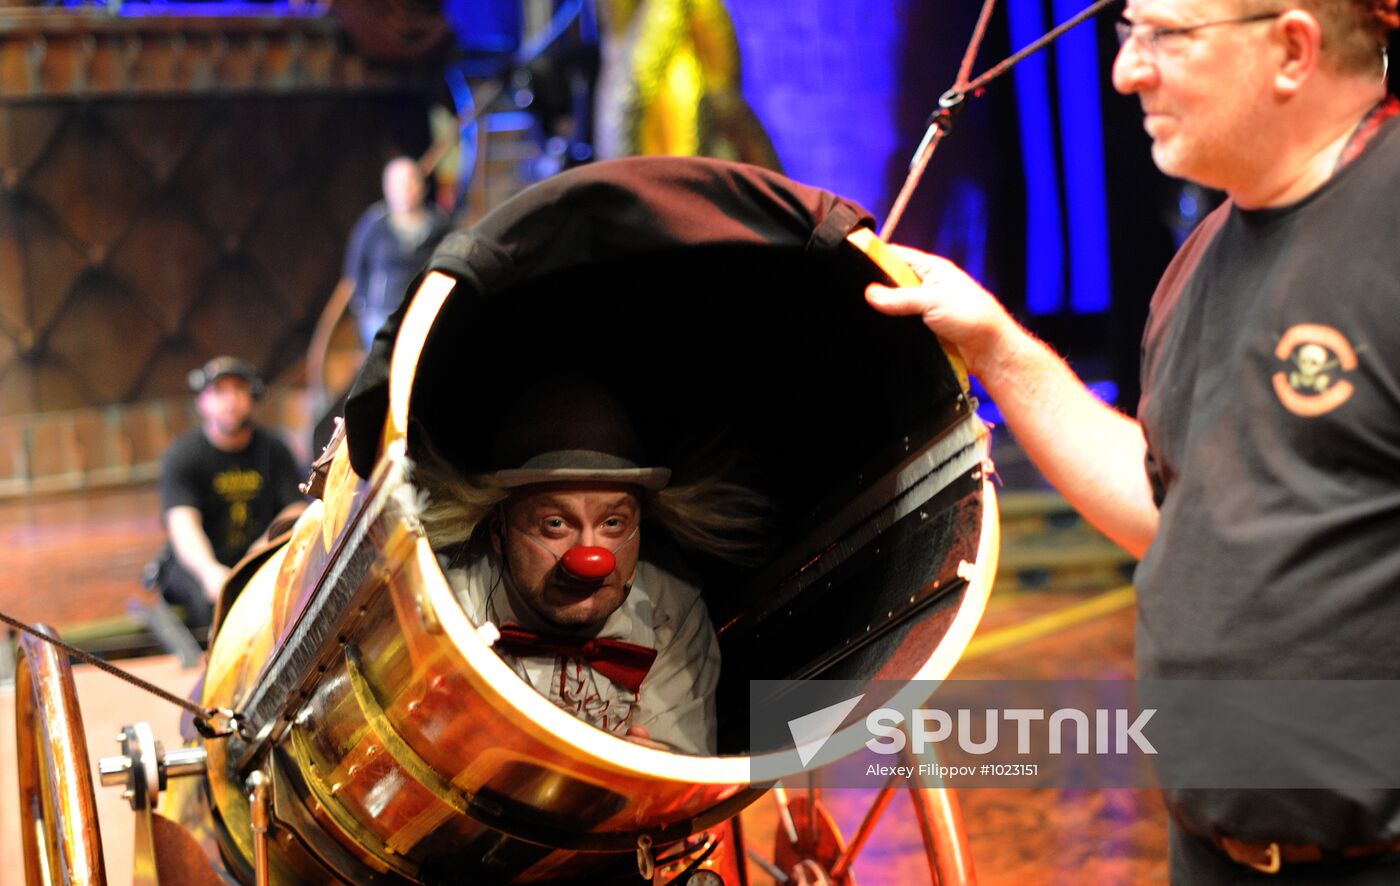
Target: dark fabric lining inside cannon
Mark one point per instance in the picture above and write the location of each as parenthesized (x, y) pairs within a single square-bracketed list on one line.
[(770, 351), (722, 305)]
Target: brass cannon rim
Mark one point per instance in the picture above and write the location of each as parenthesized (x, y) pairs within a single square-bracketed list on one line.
[(398, 736), (602, 748)]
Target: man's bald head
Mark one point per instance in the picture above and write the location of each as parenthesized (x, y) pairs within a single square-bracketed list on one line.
[(404, 188)]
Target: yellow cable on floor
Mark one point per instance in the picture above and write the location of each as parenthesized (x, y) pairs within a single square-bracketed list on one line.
[(1050, 623)]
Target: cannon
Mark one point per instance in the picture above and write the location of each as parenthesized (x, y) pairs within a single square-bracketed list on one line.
[(369, 732)]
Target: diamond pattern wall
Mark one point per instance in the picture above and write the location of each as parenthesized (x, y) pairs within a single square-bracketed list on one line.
[(141, 235)]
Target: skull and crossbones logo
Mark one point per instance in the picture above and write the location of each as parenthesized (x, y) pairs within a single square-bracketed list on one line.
[(1313, 362), (1315, 372)]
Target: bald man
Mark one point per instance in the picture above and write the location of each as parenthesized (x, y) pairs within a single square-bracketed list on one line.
[(389, 245)]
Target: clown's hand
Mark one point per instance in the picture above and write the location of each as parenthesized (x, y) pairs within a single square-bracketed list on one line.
[(640, 735)]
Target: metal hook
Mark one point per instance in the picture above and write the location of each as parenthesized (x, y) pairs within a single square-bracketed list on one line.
[(646, 865), (207, 727)]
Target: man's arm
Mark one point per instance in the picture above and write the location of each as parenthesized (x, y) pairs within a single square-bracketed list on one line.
[(355, 267), (352, 264), (192, 548), (287, 475), (1093, 454)]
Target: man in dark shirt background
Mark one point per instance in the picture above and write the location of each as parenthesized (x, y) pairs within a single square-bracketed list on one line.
[(221, 486), (390, 244)]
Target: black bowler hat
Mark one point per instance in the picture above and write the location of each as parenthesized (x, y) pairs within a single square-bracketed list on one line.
[(569, 430)]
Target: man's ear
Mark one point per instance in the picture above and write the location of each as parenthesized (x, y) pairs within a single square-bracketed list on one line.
[(1300, 36)]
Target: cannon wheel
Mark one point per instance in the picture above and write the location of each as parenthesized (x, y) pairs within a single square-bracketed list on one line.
[(809, 848), (58, 809)]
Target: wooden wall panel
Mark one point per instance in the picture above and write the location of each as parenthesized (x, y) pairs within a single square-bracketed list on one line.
[(172, 276), (151, 233), (173, 188), (104, 335)]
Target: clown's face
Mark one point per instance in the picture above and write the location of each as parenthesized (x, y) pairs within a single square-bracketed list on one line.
[(541, 523)]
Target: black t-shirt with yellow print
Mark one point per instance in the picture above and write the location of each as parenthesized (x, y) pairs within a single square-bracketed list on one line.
[(237, 494)]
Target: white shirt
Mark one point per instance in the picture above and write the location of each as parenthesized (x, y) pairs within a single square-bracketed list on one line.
[(676, 701)]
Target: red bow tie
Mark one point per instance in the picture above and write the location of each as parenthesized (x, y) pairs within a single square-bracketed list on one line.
[(626, 664)]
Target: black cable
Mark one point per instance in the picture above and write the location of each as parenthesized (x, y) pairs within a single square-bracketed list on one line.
[(201, 715)]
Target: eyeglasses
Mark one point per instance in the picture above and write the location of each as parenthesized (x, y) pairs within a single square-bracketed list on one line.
[(1153, 36)]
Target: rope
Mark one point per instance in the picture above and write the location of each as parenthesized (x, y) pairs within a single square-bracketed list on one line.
[(952, 101), (202, 715), (1002, 67), (973, 45)]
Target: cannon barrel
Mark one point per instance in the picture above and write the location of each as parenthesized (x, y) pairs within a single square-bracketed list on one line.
[(385, 741)]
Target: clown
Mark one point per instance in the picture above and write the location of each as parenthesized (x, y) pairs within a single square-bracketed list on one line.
[(546, 555)]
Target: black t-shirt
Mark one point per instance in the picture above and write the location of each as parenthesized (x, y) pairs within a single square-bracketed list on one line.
[(237, 494), (1271, 406)]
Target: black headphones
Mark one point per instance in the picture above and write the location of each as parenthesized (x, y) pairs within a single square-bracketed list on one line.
[(217, 368)]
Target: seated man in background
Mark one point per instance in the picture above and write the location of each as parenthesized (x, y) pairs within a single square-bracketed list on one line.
[(221, 485), (548, 549)]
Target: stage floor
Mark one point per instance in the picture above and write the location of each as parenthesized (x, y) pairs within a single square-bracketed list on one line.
[(75, 558)]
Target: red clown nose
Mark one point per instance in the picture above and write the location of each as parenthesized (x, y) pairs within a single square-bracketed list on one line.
[(588, 563)]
